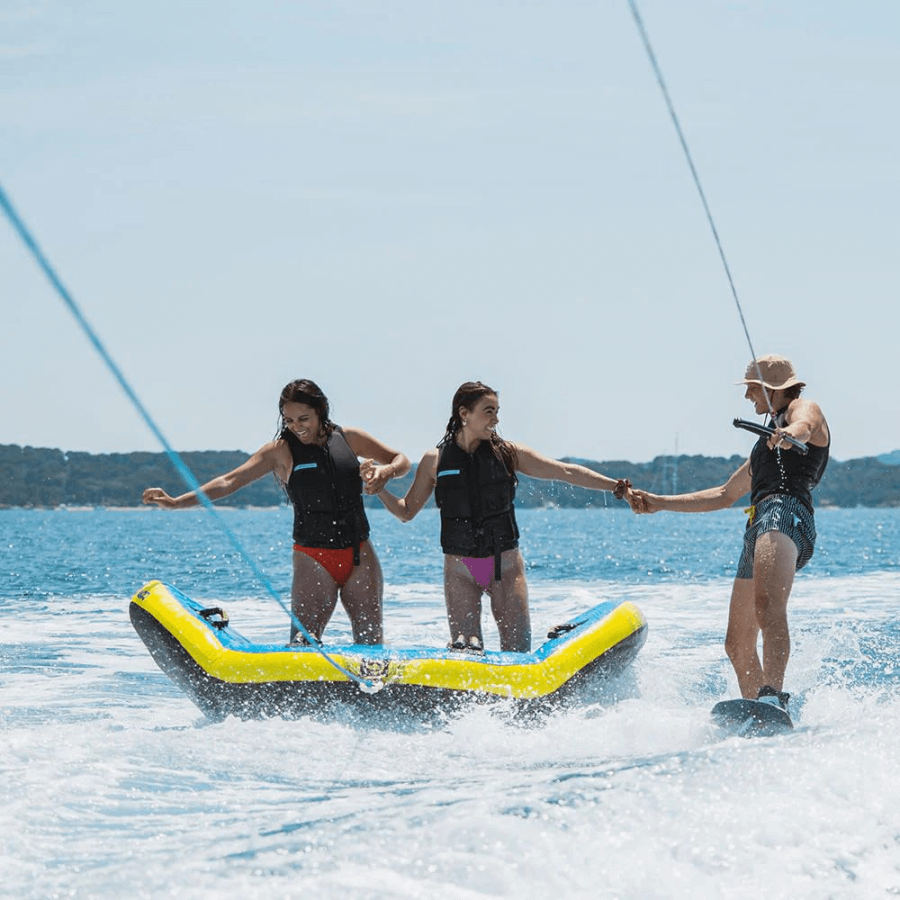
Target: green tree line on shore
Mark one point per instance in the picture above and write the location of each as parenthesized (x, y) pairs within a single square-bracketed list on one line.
[(42, 478)]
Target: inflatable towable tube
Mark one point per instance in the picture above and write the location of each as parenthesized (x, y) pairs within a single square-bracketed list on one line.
[(226, 674)]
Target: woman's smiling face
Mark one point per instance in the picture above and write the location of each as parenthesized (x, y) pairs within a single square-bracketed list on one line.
[(303, 421), (481, 421)]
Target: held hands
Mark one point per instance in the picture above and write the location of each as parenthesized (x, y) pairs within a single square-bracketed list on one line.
[(622, 488), (639, 501), (374, 476)]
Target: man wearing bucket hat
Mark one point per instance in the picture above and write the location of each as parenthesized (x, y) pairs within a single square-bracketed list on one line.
[(780, 534)]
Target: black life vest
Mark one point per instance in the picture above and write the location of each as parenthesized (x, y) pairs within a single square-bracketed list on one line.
[(325, 488), (786, 471), (475, 493)]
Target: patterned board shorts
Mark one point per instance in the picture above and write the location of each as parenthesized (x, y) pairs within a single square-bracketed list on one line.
[(783, 513)]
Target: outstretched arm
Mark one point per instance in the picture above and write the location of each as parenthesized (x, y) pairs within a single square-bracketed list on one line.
[(535, 465), (406, 508), (273, 457), (706, 500)]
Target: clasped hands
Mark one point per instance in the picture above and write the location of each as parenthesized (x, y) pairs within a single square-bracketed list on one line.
[(375, 476), (639, 501)]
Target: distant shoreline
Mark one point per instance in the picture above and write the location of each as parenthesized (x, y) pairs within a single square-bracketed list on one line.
[(45, 478)]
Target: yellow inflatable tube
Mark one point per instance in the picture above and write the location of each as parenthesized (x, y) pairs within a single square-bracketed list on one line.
[(224, 673)]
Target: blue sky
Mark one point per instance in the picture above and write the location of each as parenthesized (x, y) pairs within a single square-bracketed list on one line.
[(394, 197)]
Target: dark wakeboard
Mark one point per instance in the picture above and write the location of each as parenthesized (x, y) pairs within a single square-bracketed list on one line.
[(750, 718)]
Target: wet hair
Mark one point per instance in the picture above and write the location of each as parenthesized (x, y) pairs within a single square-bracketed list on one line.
[(467, 396), (310, 394)]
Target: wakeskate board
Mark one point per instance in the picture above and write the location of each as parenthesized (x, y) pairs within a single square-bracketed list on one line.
[(750, 718)]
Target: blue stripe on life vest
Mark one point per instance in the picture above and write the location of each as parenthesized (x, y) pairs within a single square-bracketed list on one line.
[(447, 472), (306, 466)]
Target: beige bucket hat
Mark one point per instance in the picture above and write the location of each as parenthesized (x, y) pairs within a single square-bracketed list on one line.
[(777, 373)]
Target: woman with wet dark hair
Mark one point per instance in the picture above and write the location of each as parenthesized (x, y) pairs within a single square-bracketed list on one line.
[(317, 462), (472, 473)]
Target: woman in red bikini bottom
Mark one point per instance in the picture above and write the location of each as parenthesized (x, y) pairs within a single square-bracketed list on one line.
[(472, 473), (317, 462)]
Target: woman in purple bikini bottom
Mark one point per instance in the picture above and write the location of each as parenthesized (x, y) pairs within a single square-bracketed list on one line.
[(472, 473)]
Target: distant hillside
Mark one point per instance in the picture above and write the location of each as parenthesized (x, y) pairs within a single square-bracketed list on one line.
[(34, 477), (890, 459), (38, 477)]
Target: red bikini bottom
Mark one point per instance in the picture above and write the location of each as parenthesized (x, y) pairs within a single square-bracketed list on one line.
[(337, 563)]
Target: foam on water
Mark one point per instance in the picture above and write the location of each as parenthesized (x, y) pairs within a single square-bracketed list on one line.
[(112, 784)]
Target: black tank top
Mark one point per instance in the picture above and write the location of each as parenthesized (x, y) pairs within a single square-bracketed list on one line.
[(786, 471)]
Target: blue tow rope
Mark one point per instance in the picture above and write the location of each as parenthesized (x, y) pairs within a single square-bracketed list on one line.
[(186, 474)]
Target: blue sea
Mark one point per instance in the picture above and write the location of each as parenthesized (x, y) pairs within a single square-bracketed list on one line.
[(113, 785)]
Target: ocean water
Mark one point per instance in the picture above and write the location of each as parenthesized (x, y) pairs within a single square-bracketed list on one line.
[(113, 785)]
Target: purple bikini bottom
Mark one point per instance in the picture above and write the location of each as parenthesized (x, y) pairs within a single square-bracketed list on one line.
[(482, 569)]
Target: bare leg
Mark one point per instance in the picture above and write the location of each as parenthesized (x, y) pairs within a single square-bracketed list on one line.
[(462, 594), (760, 604), (741, 638), (509, 604), (313, 595), (774, 566), (362, 598)]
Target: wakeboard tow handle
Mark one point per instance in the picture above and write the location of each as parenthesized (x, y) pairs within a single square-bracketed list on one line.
[(765, 431)]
